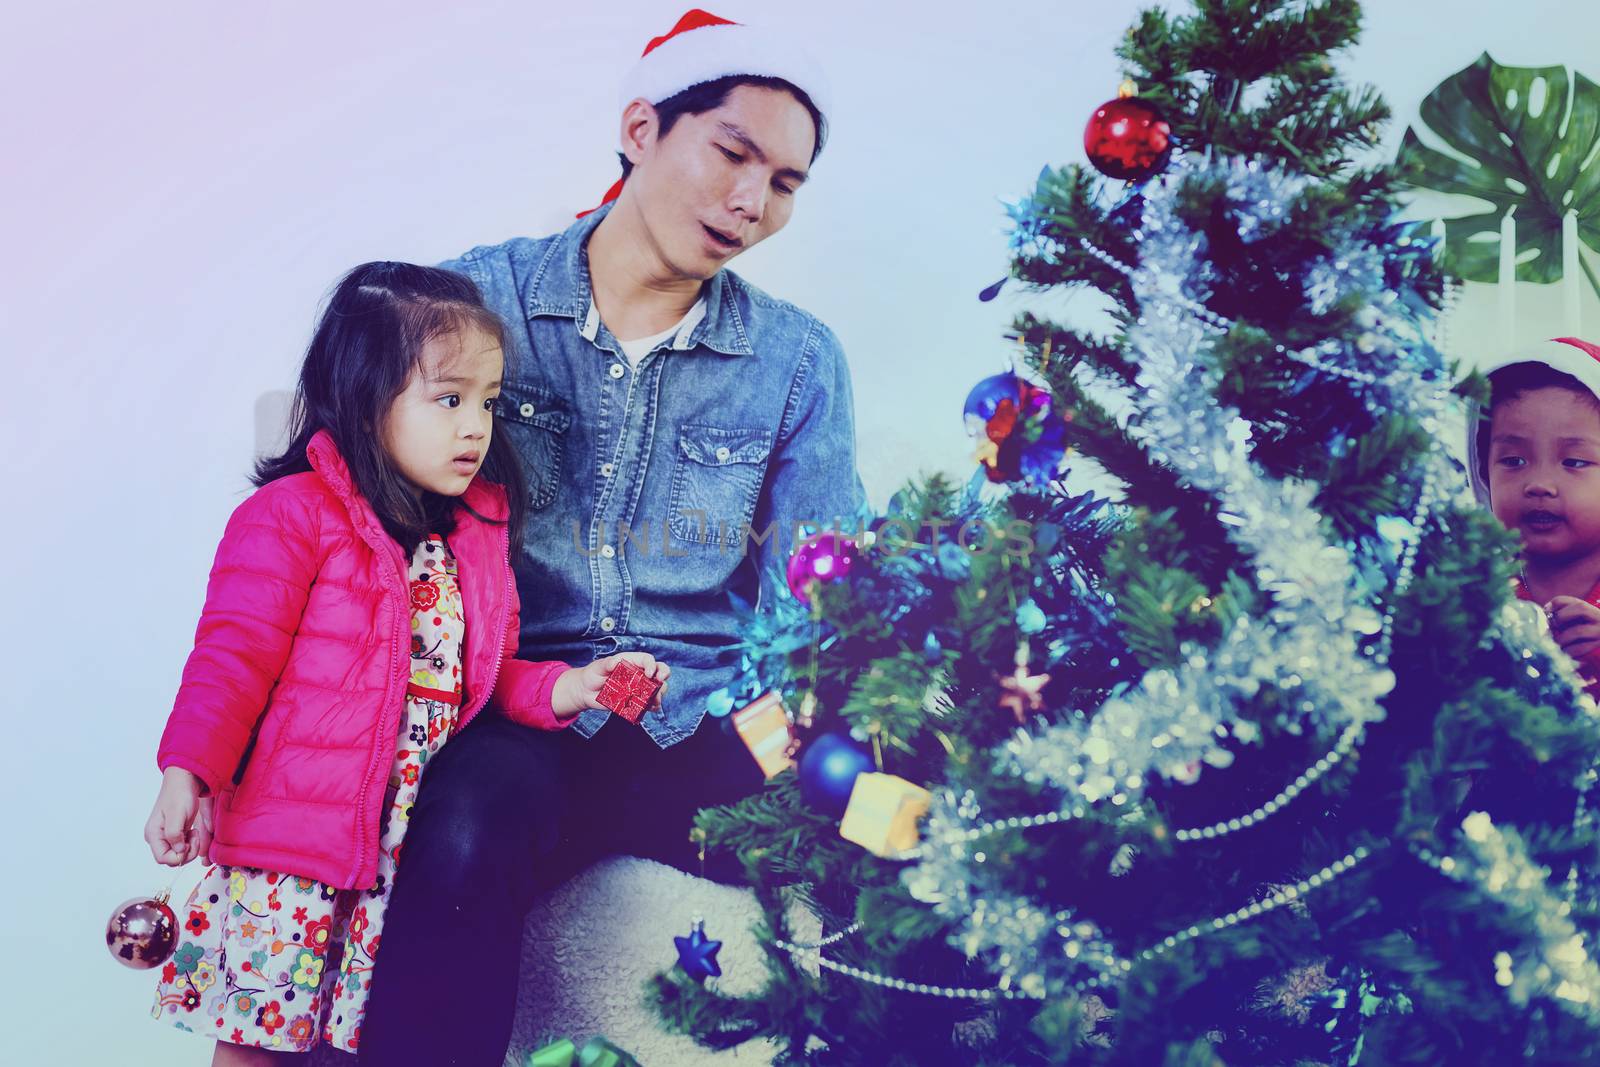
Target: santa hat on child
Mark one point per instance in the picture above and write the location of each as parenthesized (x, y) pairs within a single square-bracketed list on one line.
[(703, 47), (1569, 355)]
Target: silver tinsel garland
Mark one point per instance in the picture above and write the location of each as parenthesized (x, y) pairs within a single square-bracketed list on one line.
[(1320, 649), (1494, 860)]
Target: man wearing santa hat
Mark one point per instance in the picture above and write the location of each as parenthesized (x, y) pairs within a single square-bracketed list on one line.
[(665, 410)]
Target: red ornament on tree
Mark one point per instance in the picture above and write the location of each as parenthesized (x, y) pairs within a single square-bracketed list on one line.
[(1127, 138)]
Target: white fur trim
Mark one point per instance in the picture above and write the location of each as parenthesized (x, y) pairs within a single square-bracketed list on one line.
[(712, 52)]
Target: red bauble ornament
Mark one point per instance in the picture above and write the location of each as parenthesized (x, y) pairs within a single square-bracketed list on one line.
[(142, 933), (1127, 139)]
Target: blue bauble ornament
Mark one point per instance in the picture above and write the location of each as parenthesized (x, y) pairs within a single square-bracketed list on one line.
[(828, 769)]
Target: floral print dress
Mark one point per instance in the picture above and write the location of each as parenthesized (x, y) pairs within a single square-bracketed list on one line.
[(276, 961)]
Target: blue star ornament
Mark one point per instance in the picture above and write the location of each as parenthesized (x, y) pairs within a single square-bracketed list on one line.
[(697, 954)]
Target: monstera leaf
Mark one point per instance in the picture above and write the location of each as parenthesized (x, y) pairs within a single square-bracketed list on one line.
[(1522, 147)]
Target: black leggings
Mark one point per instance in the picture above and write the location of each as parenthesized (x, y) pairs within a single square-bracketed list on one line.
[(504, 814)]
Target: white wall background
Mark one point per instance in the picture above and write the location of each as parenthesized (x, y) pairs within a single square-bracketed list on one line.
[(181, 183)]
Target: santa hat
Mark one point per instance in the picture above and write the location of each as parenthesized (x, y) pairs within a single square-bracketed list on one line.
[(703, 47), (1569, 355)]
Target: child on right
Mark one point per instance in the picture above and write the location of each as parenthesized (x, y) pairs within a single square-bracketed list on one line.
[(1535, 459)]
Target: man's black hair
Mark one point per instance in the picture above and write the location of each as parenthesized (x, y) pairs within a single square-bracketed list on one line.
[(708, 96)]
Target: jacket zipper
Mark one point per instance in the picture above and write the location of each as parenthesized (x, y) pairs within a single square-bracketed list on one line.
[(499, 642), (375, 768)]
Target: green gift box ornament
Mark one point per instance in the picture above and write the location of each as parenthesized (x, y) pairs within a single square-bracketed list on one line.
[(596, 1052)]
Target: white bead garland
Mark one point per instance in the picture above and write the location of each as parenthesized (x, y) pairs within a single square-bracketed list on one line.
[(949, 992), (1116, 967), (1347, 741), (831, 939), (1287, 895)]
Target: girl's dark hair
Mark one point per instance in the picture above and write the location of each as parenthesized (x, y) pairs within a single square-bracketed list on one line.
[(708, 96), (1512, 381), (366, 345)]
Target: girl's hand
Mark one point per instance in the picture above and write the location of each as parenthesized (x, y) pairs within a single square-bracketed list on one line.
[(579, 688), (179, 828), (1575, 624)]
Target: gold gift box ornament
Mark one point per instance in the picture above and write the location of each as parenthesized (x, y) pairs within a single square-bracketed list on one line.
[(883, 812), (768, 733)]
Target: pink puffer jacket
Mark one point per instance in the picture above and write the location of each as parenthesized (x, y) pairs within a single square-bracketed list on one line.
[(305, 646)]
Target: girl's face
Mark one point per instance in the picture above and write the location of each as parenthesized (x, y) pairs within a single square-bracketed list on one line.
[(437, 430), (1544, 473)]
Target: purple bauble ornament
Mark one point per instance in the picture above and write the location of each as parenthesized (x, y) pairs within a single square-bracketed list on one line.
[(826, 557)]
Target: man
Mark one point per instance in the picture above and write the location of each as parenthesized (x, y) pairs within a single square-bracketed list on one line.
[(665, 410)]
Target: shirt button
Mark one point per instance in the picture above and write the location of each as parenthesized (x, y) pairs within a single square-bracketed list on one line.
[(723, 454), (605, 470), (608, 624), (616, 370), (607, 551), (526, 410)]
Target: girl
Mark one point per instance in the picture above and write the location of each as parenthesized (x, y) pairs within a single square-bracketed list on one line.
[(1536, 462), (361, 609)]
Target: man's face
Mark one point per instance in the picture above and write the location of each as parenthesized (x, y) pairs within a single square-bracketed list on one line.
[(1544, 473), (722, 181)]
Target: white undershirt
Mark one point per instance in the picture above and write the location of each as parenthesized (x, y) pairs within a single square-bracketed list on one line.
[(640, 347)]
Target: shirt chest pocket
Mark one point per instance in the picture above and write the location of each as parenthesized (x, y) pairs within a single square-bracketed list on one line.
[(536, 423), (716, 482)]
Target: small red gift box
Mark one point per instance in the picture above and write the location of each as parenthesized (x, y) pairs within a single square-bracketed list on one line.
[(628, 691)]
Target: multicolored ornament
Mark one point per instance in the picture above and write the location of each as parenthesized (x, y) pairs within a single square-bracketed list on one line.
[(1020, 437), (697, 954), (883, 812), (628, 691), (143, 932), (828, 771), (1127, 138), (1023, 693), (766, 730), (825, 557)]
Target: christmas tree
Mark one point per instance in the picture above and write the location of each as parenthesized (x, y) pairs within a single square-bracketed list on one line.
[(1254, 761)]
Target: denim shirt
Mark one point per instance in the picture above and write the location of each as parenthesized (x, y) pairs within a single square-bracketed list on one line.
[(651, 491)]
